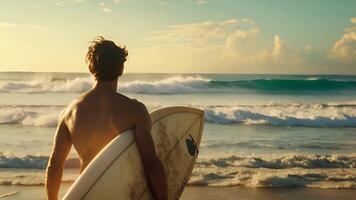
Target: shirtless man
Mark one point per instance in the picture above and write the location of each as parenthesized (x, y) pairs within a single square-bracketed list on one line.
[(96, 117)]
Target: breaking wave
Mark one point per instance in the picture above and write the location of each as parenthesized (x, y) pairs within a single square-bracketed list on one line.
[(182, 85), (311, 115), (281, 162), (46, 116)]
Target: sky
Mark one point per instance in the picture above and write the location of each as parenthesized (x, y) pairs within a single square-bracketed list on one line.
[(185, 36)]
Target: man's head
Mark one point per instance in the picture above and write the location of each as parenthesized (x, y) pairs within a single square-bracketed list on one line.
[(105, 59)]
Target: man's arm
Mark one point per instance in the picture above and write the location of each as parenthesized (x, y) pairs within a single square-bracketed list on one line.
[(152, 165), (61, 148)]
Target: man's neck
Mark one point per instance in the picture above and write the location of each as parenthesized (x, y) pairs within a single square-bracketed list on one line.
[(105, 86)]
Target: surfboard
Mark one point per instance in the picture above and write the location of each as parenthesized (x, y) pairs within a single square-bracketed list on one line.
[(117, 171)]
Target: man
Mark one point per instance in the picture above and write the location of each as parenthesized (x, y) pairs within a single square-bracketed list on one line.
[(96, 117)]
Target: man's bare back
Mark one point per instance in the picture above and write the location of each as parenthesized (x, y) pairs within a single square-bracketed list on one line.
[(97, 117)]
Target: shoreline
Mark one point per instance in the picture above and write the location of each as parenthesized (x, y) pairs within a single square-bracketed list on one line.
[(208, 193)]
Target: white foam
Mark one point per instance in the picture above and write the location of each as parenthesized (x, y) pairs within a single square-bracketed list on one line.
[(321, 171), (76, 85), (330, 171), (30, 115), (171, 85), (46, 119), (314, 115), (282, 162)]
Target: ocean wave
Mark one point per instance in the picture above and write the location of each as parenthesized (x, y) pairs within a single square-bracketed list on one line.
[(288, 85), (321, 171), (310, 115), (27, 115), (328, 171), (182, 85), (281, 162), (32, 162), (261, 161), (276, 114), (48, 85), (172, 85), (264, 144)]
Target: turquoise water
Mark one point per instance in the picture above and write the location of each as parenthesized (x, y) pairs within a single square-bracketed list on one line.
[(260, 129)]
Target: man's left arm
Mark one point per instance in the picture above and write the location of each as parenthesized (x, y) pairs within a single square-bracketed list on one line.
[(61, 148), (153, 167)]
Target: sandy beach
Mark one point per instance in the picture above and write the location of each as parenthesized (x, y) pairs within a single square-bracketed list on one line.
[(211, 193)]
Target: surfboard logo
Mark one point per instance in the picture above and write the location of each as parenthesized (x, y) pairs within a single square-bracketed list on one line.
[(191, 146)]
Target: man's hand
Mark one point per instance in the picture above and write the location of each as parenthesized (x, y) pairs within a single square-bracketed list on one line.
[(61, 148), (152, 165)]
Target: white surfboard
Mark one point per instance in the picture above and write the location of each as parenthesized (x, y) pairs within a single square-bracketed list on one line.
[(117, 172)]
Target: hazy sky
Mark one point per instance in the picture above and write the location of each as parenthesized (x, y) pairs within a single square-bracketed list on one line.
[(174, 36)]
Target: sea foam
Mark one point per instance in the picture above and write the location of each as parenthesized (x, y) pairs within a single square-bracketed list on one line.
[(48, 85), (321, 171), (171, 85), (28, 115), (311, 115)]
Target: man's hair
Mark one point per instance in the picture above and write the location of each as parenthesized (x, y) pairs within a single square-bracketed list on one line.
[(105, 59)]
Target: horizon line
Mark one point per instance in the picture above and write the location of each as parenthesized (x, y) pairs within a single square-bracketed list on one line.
[(207, 73)]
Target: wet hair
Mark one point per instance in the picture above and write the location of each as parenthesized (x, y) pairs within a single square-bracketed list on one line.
[(105, 59)]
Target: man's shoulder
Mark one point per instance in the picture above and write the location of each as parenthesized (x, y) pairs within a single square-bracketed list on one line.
[(136, 107), (70, 108), (141, 107), (131, 102)]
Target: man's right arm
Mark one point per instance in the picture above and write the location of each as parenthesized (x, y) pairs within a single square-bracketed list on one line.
[(61, 148), (152, 165)]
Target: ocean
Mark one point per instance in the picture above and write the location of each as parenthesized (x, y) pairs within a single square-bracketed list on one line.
[(260, 131)]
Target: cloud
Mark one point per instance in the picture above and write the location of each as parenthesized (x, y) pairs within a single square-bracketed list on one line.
[(230, 43), (197, 33), (344, 49), (104, 8), (227, 45), (233, 41), (61, 2), (353, 20), (243, 48), (199, 2)]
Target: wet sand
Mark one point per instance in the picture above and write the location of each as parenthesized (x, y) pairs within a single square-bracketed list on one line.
[(244, 193), (210, 193)]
